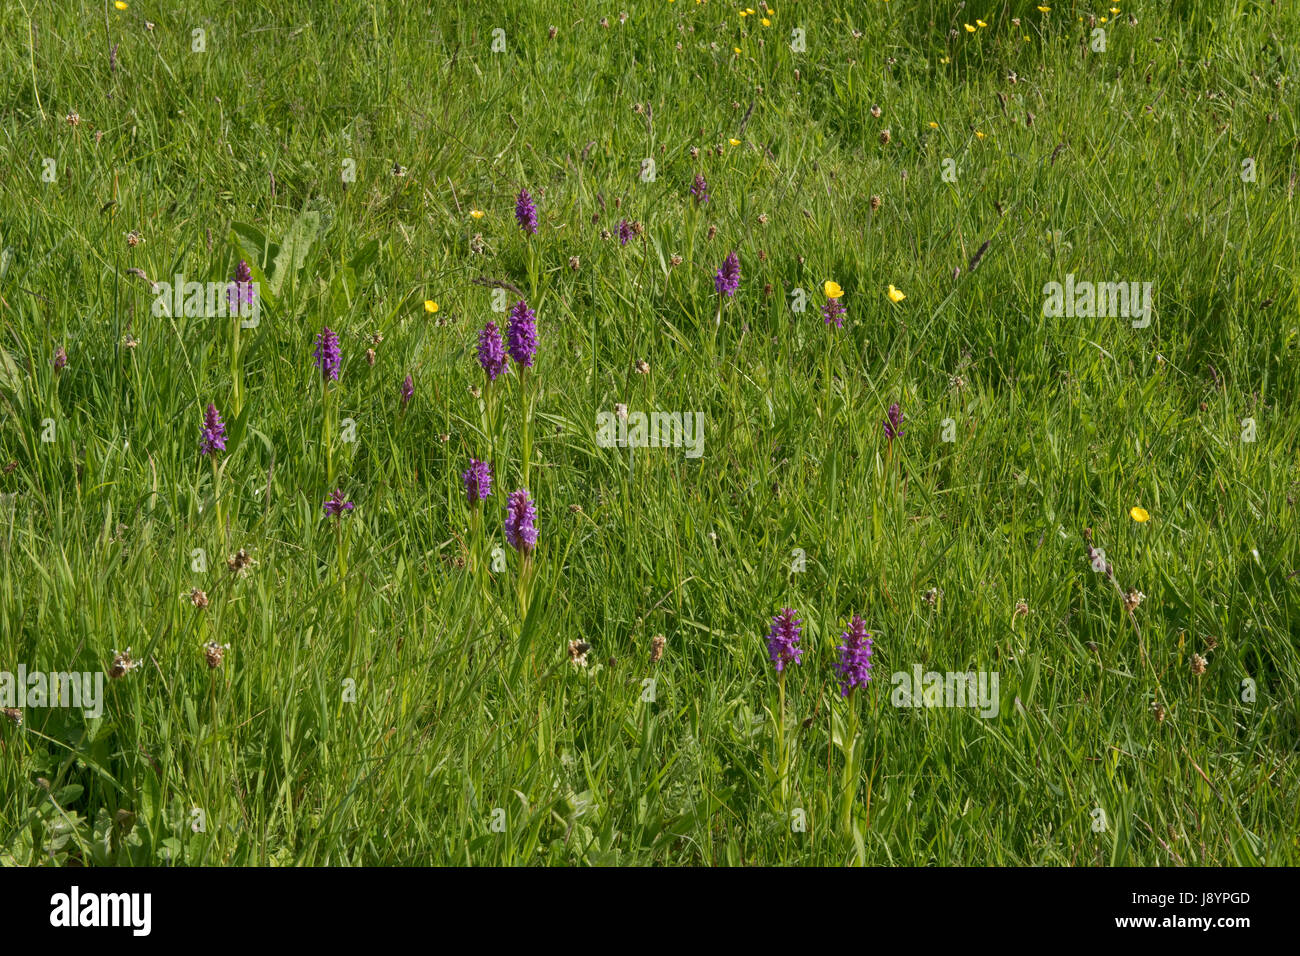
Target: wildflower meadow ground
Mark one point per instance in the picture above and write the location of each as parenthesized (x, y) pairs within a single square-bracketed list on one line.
[(662, 433)]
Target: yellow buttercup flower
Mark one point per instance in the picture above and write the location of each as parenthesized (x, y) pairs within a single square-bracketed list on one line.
[(736, 48), (933, 125), (895, 295), (430, 306), (476, 213), (980, 23), (734, 142), (119, 4), (1139, 514), (1044, 9), (1114, 9), (969, 28), (766, 22), (832, 289), (945, 59), (979, 135)]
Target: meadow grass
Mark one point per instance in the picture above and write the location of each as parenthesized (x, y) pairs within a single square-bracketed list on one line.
[(384, 700)]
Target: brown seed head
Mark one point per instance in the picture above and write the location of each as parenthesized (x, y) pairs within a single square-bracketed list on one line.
[(122, 665), (214, 654), (657, 648), (578, 653)]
